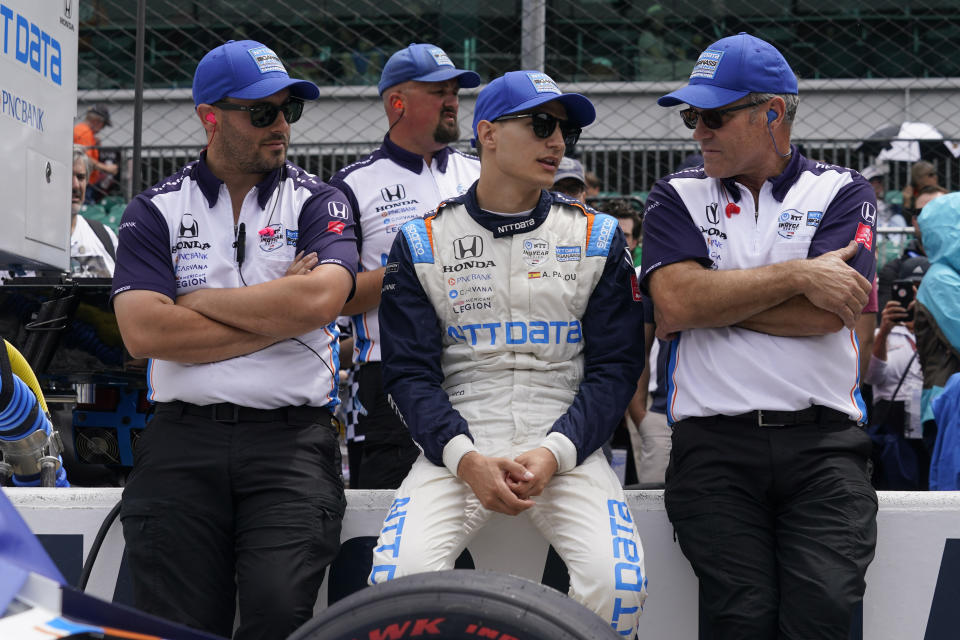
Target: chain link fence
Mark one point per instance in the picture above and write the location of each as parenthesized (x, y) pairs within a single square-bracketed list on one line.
[(865, 67)]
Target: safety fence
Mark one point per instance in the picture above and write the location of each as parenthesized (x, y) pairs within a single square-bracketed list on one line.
[(624, 167), (605, 47)]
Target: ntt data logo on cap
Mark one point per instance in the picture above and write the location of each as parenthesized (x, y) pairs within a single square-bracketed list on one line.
[(542, 83), (707, 64), (440, 57), (266, 60)]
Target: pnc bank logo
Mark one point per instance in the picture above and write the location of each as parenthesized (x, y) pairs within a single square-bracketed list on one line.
[(468, 247), (393, 192)]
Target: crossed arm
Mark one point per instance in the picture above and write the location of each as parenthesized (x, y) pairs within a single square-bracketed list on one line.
[(794, 298), (216, 324)]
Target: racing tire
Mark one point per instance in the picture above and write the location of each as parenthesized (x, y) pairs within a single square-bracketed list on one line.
[(454, 605)]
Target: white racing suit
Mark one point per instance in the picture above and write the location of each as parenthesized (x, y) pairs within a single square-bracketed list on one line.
[(501, 335)]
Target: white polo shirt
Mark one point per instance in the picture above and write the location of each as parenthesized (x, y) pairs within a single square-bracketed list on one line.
[(808, 210)]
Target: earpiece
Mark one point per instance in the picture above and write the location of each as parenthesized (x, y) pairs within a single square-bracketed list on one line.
[(771, 116), (397, 103), (212, 119)]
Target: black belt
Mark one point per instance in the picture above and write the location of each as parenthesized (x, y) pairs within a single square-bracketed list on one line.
[(233, 413), (811, 415)]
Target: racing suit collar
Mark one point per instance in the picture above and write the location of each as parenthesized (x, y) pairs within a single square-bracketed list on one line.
[(780, 184), (502, 226), (210, 184), (410, 160)]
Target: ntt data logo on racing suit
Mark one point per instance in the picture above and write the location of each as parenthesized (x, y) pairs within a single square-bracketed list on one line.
[(392, 528), (513, 227), (534, 332), (628, 572)]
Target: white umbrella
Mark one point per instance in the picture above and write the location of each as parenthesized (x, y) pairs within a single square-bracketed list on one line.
[(906, 145)]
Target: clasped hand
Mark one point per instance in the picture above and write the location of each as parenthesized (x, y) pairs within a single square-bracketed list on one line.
[(505, 485)]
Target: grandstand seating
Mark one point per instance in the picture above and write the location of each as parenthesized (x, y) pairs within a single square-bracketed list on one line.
[(94, 211)]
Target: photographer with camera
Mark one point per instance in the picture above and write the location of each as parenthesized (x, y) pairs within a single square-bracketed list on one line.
[(897, 380)]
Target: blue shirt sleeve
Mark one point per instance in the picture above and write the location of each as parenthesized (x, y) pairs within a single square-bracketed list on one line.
[(327, 226), (669, 233), (338, 183), (411, 348), (143, 251), (613, 355), (852, 215)]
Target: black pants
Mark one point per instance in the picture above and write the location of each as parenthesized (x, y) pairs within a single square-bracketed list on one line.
[(779, 524), (216, 508), (384, 457)]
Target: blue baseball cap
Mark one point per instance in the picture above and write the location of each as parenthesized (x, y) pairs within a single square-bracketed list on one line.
[(517, 91), (424, 63), (245, 69), (731, 68)]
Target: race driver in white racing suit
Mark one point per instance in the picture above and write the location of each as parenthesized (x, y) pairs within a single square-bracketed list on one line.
[(512, 343)]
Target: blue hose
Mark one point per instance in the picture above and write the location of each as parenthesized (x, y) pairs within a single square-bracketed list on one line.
[(16, 424)]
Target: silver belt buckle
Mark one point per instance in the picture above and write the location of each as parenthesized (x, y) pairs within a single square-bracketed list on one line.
[(762, 423)]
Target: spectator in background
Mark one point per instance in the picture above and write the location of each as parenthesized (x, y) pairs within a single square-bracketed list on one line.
[(569, 179), (629, 223), (93, 245), (924, 196), (594, 184), (888, 215), (937, 310), (894, 368), (85, 133), (759, 266), (406, 178), (236, 493), (922, 174), (513, 422), (888, 273)]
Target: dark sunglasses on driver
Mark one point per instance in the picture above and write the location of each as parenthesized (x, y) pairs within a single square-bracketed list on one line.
[(265, 113), (712, 118), (544, 125)]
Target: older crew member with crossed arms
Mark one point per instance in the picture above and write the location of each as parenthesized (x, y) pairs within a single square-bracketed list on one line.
[(759, 264)]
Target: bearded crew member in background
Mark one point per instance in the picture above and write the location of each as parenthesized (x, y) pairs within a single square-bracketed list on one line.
[(406, 178)]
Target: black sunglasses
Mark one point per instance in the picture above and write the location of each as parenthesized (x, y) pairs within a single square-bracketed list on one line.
[(264, 114), (712, 119), (544, 125)]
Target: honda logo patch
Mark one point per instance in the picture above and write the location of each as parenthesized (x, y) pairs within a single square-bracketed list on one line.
[(337, 209), (393, 192), (713, 213), (188, 227), (468, 247)]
